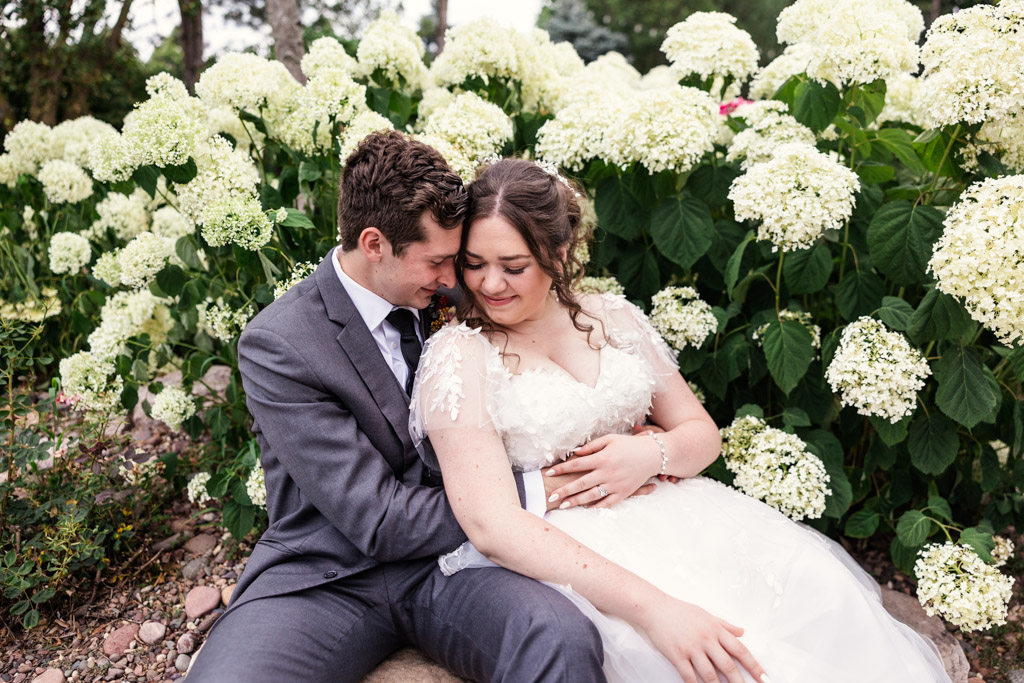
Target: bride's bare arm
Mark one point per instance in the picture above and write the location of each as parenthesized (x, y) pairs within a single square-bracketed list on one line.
[(480, 487), (621, 463)]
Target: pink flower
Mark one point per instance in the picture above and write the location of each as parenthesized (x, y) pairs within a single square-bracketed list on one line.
[(726, 108)]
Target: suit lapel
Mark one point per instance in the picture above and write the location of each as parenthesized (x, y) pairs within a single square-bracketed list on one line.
[(359, 346)]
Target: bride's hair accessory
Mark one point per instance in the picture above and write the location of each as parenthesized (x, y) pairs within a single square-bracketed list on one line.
[(661, 447), (546, 166)]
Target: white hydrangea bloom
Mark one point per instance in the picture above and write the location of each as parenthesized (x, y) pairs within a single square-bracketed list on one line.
[(68, 252), (9, 170), (855, 41), (30, 144), (396, 50), (362, 125), (613, 66), (1004, 138), (326, 53), (1003, 550), (433, 99), (565, 58), (166, 129), (89, 382), (64, 182), (775, 467), (235, 219), (73, 138), (709, 44), (247, 82), (173, 406), (978, 257), (108, 268), (299, 273), (126, 315), (877, 371), (901, 100), (142, 258), (33, 310), (125, 215), (796, 195), (458, 160), (221, 171), (256, 486), (956, 584), (222, 322), (110, 159), (698, 393), (793, 60), (480, 48), (765, 131), (579, 132), (668, 129), (802, 317), (329, 99), (471, 124), (196, 489), (168, 222), (661, 76), (681, 317), (598, 285), (973, 65), (135, 473), (225, 120)]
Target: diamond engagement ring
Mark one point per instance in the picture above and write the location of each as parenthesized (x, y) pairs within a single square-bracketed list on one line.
[(600, 489)]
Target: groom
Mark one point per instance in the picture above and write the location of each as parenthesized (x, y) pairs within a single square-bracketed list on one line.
[(347, 573)]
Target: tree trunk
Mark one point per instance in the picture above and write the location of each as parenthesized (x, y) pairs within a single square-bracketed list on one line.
[(441, 7), (286, 29), (192, 40), (936, 11)]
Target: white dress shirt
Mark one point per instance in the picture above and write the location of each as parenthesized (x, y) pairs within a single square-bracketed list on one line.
[(374, 309)]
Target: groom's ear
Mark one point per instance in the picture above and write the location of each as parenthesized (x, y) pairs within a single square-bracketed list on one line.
[(372, 243)]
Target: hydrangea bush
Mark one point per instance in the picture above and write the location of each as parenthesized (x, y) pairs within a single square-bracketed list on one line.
[(837, 256)]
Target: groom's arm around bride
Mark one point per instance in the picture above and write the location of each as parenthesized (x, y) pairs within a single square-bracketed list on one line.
[(346, 573)]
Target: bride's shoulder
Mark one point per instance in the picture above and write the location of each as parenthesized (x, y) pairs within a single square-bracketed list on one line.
[(455, 343)]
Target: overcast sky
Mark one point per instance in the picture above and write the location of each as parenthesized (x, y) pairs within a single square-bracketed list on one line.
[(153, 20)]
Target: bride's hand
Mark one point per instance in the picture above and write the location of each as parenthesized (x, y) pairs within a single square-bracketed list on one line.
[(615, 464), (698, 644)]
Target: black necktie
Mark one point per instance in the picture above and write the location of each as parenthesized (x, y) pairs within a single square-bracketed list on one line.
[(405, 322)]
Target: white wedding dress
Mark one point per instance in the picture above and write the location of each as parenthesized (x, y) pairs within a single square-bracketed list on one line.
[(809, 613)]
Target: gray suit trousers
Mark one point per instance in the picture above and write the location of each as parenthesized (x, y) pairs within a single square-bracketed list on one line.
[(483, 624)]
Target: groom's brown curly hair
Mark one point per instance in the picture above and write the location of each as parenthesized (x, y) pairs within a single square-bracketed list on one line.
[(389, 181)]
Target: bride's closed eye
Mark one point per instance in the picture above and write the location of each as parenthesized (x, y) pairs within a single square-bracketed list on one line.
[(510, 271)]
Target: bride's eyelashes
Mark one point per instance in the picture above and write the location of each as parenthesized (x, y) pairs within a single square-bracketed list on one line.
[(509, 271)]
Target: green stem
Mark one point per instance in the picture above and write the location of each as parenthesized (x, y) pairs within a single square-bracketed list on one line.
[(945, 155), (778, 281)]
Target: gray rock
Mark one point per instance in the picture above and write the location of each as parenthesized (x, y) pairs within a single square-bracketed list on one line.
[(1016, 676), (181, 662), (152, 632), (195, 569), (908, 610), (186, 643), (201, 544), (168, 543), (208, 622), (410, 665), (201, 600)]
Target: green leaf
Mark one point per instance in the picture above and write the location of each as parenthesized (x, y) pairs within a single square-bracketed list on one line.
[(20, 607), (171, 280), (900, 239), (183, 173), (903, 557), (940, 506), (310, 171), (862, 524), (859, 293), (965, 392), (297, 219), (270, 198), (732, 267), (939, 316), (239, 519), (914, 528), (873, 172), (896, 313), (829, 449), (933, 443), (617, 209), (807, 271), (981, 541), (639, 272), (270, 271), (682, 228), (31, 619), (140, 371), (186, 250), (891, 434), (899, 142), (795, 417), (147, 177), (750, 409), (815, 105), (788, 349), (43, 595)]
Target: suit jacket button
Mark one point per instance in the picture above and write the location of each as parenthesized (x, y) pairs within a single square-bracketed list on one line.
[(330, 574)]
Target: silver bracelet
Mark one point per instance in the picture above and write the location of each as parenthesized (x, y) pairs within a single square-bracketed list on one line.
[(661, 447)]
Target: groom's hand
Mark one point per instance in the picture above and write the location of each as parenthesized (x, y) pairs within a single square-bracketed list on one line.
[(553, 483)]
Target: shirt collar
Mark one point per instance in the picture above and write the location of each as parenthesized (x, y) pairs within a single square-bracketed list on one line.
[(372, 307)]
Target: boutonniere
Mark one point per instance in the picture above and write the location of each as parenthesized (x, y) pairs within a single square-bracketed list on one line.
[(441, 313)]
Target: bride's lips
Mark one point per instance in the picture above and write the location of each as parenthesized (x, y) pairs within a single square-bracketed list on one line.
[(502, 301)]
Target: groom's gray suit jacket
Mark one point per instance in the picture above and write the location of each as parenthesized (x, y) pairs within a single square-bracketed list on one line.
[(344, 481)]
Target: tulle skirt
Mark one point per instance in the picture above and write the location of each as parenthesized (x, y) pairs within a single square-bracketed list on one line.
[(810, 614)]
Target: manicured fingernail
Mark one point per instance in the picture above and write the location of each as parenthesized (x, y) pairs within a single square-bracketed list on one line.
[(765, 679), (553, 498), (550, 473), (564, 505)]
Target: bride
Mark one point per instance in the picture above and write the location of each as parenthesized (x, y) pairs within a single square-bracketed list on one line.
[(695, 580)]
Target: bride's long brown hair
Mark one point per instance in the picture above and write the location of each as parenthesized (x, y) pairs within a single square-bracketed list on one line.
[(545, 212)]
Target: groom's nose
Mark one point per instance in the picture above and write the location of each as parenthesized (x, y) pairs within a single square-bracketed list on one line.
[(446, 275)]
